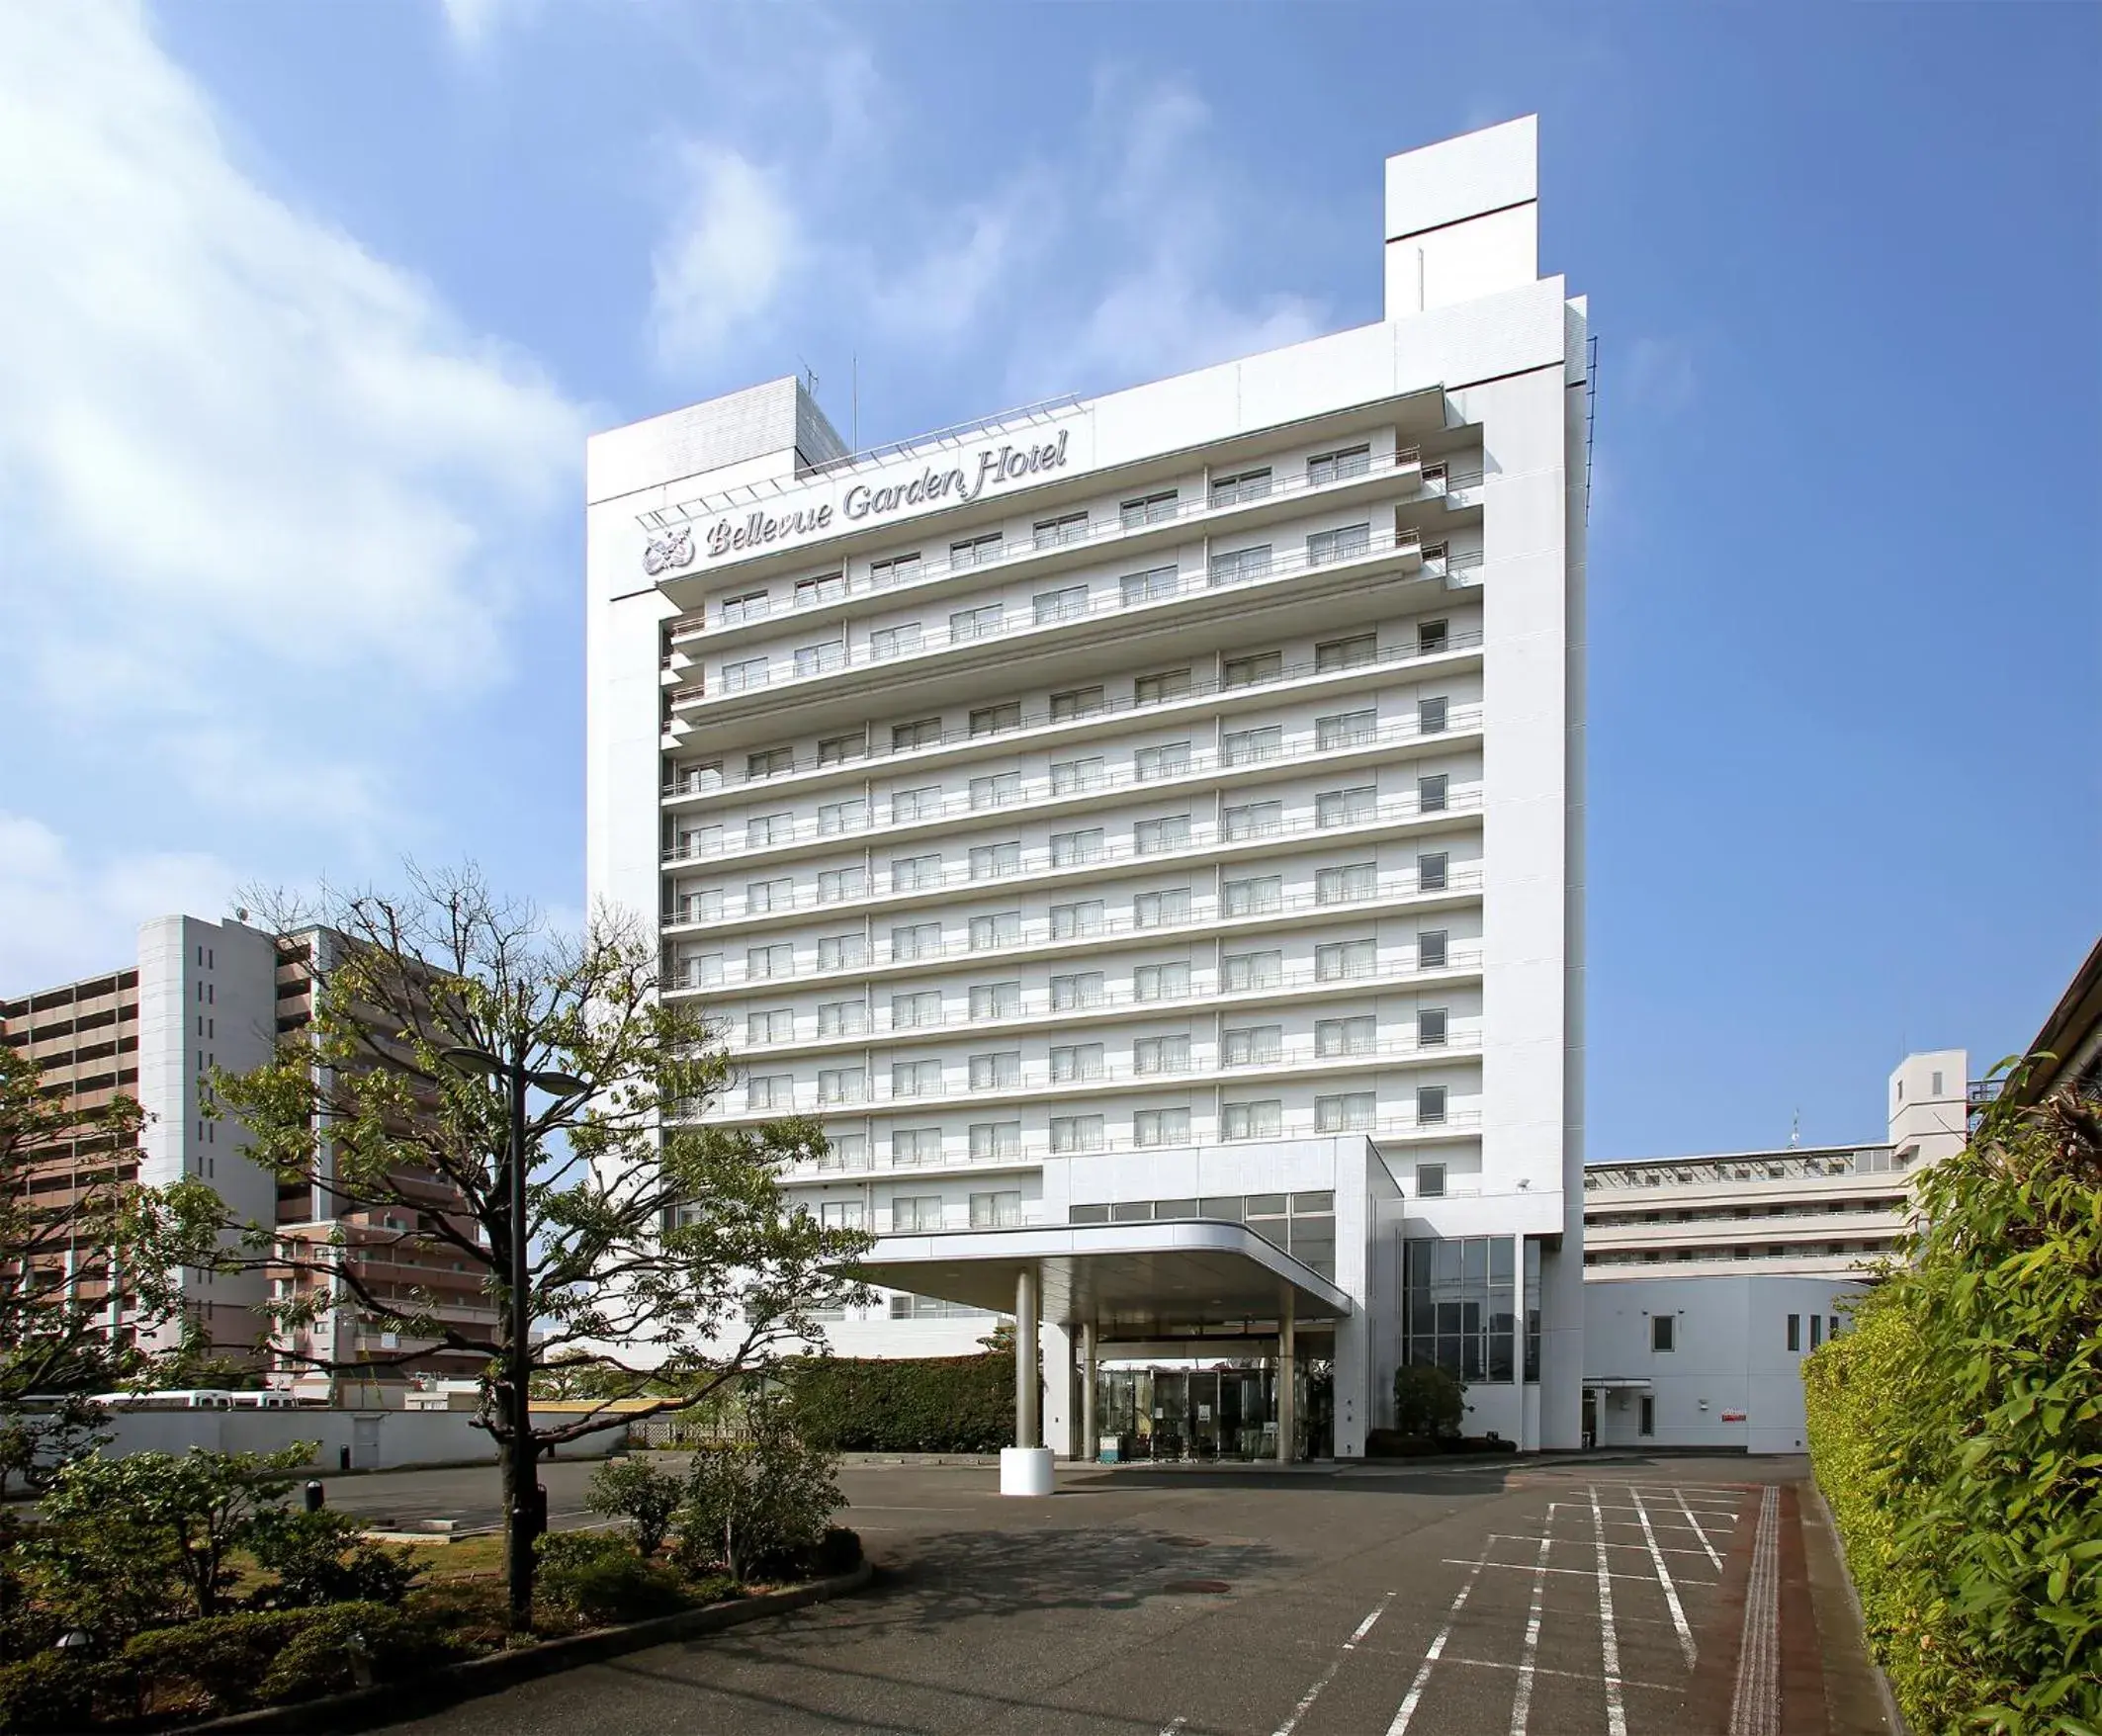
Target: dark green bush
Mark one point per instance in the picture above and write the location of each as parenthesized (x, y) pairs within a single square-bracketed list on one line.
[(933, 1404), (320, 1558), (353, 1645), (216, 1665), (759, 1507), (1430, 1402), (598, 1577), (637, 1491), (54, 1693), (1957, 1430)]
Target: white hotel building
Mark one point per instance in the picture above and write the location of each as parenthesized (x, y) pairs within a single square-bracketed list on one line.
[(1149, 831)]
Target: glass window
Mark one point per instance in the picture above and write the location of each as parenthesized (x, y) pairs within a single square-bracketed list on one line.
[(1160, 1127), (1170, 760), (1054, 533), (997, 1211), (975, 551), (837, 884), (1351, 807), (1339, 467), (1249, 746), (1356, 1035), (998, 1072), (1087, 1214), (1067, 603), (839, 1214), (820, 660), (916, 1008), (1148, 837), (1160, 981), (915, 1078), (1431, 1027), (761, 896), (1248, 820), (1347, 884), (705, 905), (1646, 1421), (1076, 1060), (1151, 586), (826, 587), (1076, 989), (991, 720), (911, 941), (1430, 1181), (1252, 1046), (1431, 637), (1239, 566), (1345, 1112), (1429, 717), (989, 1000), (839, 816), (1347, 543), (1430, 871), (1664, 1331), (908, 806), (996, 861), (1335, 960), (1255, 897), (1003, 929), (1346, 653), (1430, 1105), (776, 1026), (1816, 1331), (842, 952), (1158, 688), (1431, 793), (1076, 702), (1351, 728), (980, 622), (762, 830), (924, 732), (772, 762), (838, 749), (1231, 490), (771, 1090), (1457, 1306), (1161, 1054), (913, 1214), (995, 1141), (1068, 849), (1252, 970), (1071, 921), (762, 962), (1070, 777), (1155, 508), (1226, 1206), (895, 569), (842, 1085), (914, 873), (1261, 1119), (841, 1018), (752, 673), (1077, 1133), (1161, 909), (1253, 668), (999, 790), (1174, 1208)]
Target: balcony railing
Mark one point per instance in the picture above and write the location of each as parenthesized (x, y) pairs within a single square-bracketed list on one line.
[(933, 641), (972, 559)]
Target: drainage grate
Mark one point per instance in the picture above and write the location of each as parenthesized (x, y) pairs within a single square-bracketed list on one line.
[(1198, 1585)]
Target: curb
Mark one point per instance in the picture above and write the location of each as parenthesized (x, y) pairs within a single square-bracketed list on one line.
[(365, 1707)]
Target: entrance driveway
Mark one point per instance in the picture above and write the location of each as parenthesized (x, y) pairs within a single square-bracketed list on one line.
[(1626, 1598)]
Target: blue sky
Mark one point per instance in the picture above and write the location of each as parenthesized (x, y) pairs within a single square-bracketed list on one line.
[(305, 311)]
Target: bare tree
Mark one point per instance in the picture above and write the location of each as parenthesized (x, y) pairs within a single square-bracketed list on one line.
[(651, 1253)]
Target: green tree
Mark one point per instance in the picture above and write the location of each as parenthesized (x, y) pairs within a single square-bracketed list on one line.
[(662, 1261), (637, 1491), (760, 1505), (1429, 1402)]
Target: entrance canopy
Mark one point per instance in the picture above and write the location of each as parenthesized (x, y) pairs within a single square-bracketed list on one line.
[(1130, 1280)]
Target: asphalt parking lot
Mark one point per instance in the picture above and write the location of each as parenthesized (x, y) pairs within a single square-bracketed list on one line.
[(1623, 1598)]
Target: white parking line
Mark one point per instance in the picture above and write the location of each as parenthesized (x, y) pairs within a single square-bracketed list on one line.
[(1568, 1674), (1671, 1592), (1173, 1725), (1699, 1533), (1521, 1701), (1350, 1645), (1414, 1698), (1609, 1641), (1580, 1572), (1613, 1543)]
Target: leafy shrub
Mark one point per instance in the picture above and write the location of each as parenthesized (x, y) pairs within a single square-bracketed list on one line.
[(637, 1491), (211, 1666), (925, 1404), (352, 1645), (320, 1558), (1957, 1430), (1429, 1402), (55, 1692), (265, 1657), (759, 1507), (598, 1576)]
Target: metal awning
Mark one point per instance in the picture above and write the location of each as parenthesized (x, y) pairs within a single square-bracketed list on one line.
[(1130, 1279)]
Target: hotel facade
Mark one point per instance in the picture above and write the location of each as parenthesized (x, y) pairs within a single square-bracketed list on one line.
[(1147, 830)]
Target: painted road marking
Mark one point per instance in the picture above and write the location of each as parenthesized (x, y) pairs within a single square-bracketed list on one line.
[(1609, 1640), (1755, 1708), (1705, 1543), (1671, 1592), (1568, 1674), (1580, 1572), (1521, 1701), (1414, 1698), (1350, 1645)]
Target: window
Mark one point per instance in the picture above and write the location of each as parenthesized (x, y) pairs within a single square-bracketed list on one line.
[(996, 1211), (1239, 566), (839, 816), (1070, 921), (1056, 533), (909, 940), (1816, 1331), (1347, 543), (1242, 486), (989, 1000), (1169, 760), (914, 873), (770, 1090), (841, 1018), (839, 1214), (752, 673), (1348, 884), (1431, 1027), (1077, 989), (1001, 929), (894, 641), (842, 952), (975, 551), (1070, 848), (1430, 871), (701, 907), (1077, 1133), (979, 622), (1161, 1127), (913, 1213), (776, 1026), (1339, 467), (1429, 717), (1431, 793), (1255, 897), (1346, 653), (999, 1072), (1431, 637), (1648, 1420), (1251, 970), (827, 587), (1430, 1105), (1076, 1060), (991, 720), (1150, 586), (836, 884), (1356, 1035), (1832, 1327), (1663, 1331), (1071, 776), (761, 896), (1252, 1046), (1255, 668), (1430, 1181), (915, 1078), (1345, 1112), (771, 763), (1161, 909), (1148, 837), (1160, 981), (1161, 1055), (818, 659), (1087, 1214), (997, 791), (1336, 960), (925, 733), (1248, 746), (1934, 1090), (916, 1008), (897, 570), (842, 1085), (1349, 729), (763, 962), (1147, 509), (1069, 603), (995, 1141), (1262, 1119), (1076, 702), (996, 861), (1351, 807), (838, 749), (1158, 688), (1248, 820)]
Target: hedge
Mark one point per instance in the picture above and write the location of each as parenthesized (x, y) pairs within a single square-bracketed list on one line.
[(930, 1404), (1957, 1431)]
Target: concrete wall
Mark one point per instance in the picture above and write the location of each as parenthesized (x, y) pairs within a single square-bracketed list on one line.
[(378, 1440)]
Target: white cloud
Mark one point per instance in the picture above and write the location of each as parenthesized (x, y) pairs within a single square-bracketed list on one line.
[(723, 258), (261, 493), (62, 918)]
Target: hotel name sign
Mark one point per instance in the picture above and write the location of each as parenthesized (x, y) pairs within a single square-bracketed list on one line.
[(996, 467)]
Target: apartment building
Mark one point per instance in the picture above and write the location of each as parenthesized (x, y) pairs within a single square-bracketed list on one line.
[(1089, 813)]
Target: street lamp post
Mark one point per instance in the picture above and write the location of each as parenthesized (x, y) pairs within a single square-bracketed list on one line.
[(516, 1078)]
